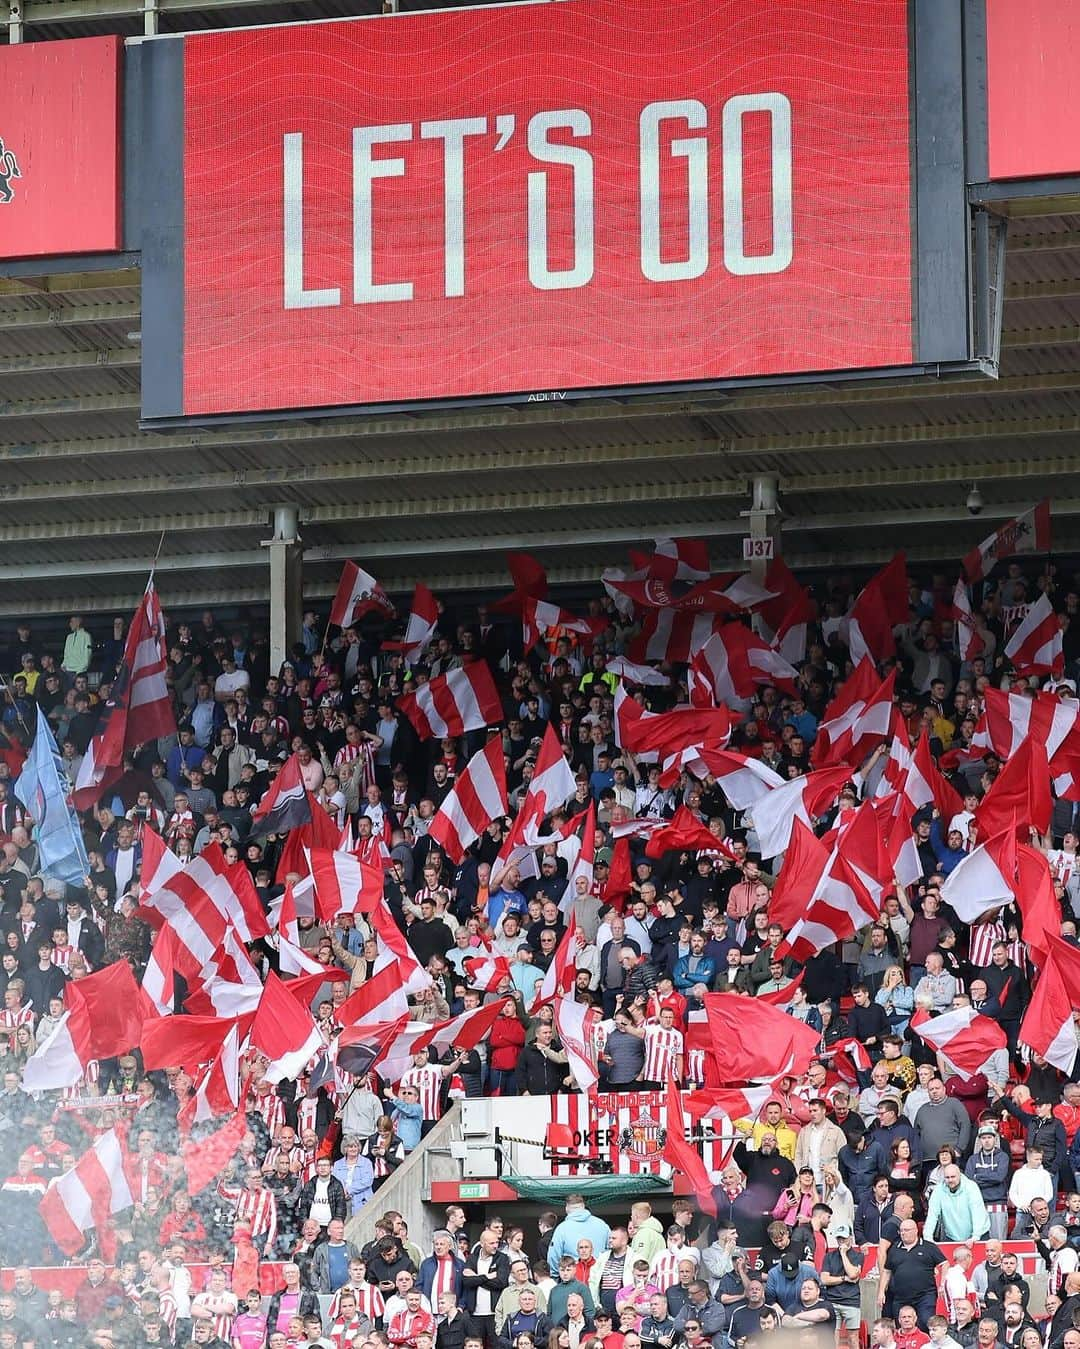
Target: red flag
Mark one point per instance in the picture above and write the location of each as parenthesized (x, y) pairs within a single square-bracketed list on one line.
[(113, 1006), (530, 582), (683, 1158), (207, 1158), (343, 884), (805, 861), (685, 833), (1021, 792), (880, 607), (186, 1041), (620, 875), (946, 798), (284, 1031), (421, 626), (380, 998), (751, 1039), (1049, 1024), (1039, 907)]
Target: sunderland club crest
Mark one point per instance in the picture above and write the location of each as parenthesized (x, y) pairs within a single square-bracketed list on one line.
[(644, 1137), (9, 170)]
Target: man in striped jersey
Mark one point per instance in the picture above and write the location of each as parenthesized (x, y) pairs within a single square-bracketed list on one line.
[(427, 1079), (663, 1052), (256, 1209)]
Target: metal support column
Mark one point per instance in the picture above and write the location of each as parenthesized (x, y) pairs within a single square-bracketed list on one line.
[(286, 584), (764, 518)]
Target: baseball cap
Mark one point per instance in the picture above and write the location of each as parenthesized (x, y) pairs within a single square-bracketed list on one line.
[(840, 1230)]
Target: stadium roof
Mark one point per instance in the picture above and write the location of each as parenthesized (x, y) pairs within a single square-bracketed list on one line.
[(863, 469)]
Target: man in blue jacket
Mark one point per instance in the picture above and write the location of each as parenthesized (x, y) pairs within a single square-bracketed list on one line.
[(578, 1223), (441, 1272), (693, 969)]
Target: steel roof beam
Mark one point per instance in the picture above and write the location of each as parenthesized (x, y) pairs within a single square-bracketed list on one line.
[(69, 316)]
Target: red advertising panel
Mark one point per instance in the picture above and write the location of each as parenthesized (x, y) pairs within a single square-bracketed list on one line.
[(60, 157), (1033, 96), (596, 194)]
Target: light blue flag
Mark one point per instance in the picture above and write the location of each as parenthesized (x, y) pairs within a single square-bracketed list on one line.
[(44, 790)]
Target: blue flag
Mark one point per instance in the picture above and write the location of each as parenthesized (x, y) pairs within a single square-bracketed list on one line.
[(44, 790)]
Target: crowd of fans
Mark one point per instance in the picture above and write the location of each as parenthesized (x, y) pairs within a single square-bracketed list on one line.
[(898, 1156)]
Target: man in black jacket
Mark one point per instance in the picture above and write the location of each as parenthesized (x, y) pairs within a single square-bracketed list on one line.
[(323, 1197), (483, 1279), (541, 1069)]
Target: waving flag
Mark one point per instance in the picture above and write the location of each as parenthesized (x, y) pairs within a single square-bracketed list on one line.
[(1049, 1024), (530, 582), (572, 1024), (451, 704), (1037, 647), (803, 798), (478, 796), (421, 626), (984, 879), (286, 805), (539, 617), (358, 593), (44, 790), (964, 1036), (87, 1196), (685, 1159), (138, 709), (880, 607), (1026, 533), (968, 640)]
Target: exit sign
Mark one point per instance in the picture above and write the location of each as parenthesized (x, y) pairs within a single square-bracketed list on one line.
[(474, 1192)]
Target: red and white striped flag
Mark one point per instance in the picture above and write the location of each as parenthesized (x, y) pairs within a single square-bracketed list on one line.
[(487, 973), (477, 797), (964, 1036), (343, 883), (1026, 533), (159, 977), (732, 663), (583, 864), (1036, 647), (394, 949), (679, 560), (671, 636), (550, 787), (804, 798), (462, 700), (379, 999), (159, 865), (87, 1196), (880, 607), (200, 901), (685, 1159), (138, 709), (358, 593), (572, 1026), (540, 616), (858, 719), (420, 628)]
